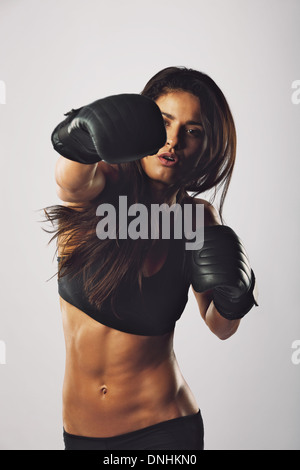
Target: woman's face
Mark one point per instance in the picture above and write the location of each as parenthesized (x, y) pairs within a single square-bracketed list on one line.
[(182, 116)]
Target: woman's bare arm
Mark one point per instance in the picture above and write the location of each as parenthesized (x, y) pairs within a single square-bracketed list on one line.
[(221, 327), (77, 182)]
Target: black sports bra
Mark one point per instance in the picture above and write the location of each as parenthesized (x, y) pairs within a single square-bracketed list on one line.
[(151, 311)]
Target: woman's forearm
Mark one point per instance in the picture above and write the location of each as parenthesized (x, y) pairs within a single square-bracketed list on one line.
[(219, 325), (73, 176), (77, 182)]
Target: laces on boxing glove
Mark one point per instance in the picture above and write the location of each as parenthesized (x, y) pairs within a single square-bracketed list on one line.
[(74, 144)]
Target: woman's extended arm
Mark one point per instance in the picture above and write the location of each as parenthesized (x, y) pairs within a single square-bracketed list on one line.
[(77, 182)]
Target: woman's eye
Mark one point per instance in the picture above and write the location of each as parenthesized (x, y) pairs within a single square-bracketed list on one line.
[(166, 122), (194, 132)]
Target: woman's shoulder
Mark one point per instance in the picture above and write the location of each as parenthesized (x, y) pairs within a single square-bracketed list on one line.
[(211, 215)]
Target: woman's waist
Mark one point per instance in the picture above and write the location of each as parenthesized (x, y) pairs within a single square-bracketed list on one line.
[(97, 407)]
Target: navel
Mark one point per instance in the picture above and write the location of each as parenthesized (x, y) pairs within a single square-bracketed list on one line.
[(103, 390)]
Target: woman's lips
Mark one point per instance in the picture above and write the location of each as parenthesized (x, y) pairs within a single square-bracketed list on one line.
[(168, 159)]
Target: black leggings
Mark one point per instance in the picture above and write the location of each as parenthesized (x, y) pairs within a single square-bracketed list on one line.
[(184, 433)]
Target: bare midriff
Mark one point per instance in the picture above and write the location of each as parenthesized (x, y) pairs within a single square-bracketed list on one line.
[(117, 382)]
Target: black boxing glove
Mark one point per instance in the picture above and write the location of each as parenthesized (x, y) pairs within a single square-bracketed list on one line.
[(115, 129), (222, 266)]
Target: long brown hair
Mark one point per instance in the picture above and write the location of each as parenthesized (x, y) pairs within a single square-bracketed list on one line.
[(120, 261)]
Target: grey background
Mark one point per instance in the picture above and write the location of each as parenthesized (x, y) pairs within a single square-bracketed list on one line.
[(60, 54)]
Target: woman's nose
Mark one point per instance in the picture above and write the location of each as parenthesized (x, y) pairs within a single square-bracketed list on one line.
[(173, 139)]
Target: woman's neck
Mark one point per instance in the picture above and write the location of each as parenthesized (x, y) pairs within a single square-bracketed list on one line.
[(158, 193)]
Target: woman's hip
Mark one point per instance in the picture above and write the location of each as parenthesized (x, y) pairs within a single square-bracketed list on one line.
[(182, 433)]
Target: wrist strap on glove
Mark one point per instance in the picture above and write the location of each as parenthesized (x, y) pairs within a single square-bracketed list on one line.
[(235, 309)]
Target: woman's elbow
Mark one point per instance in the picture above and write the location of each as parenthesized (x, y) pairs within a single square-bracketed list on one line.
[(226, 333)]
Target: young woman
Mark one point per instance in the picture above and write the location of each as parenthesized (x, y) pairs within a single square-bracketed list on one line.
[(121, 297)]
